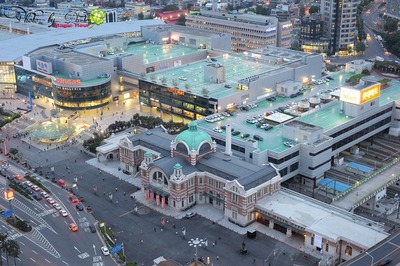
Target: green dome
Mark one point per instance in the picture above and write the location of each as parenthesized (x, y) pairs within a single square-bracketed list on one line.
[(193, 137)]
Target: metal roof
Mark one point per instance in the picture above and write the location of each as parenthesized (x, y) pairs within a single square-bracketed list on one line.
[(16, 47)]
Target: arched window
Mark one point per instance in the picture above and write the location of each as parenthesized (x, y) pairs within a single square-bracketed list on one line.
[(160, 178)]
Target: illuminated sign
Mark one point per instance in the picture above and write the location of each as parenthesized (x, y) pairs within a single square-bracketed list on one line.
[(360, 96), (370, 93), (270, 29), (42, 81), (175, 91), (68, 81), (9, 194)]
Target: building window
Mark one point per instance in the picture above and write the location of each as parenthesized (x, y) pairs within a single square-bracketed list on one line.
[(200, 180), (127, 167), (191, 198), (349, 251), (234, 214), (326, 247), (312, 240), (235, 197), (191, 182)]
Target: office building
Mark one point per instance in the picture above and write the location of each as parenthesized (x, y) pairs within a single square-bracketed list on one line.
[(311, 35), (248, 31)]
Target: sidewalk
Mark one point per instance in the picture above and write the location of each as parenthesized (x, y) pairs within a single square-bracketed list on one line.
[(211, 213)]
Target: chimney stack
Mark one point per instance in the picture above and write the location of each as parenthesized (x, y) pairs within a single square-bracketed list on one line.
[(228, 140)]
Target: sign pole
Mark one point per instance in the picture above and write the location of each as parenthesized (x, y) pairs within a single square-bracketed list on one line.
[(123, 249)]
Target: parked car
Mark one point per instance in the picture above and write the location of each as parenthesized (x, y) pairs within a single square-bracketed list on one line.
[(29, 191), (258, 137), (35, 188), (51, 200), (235, 133), (73, 199), (37, 196), (44, 194)]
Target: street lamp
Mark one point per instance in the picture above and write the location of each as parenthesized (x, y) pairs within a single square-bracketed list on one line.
[(396, 197), (196, 243), (372, 261)]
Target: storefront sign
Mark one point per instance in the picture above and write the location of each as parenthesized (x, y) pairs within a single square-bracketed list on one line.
[(45, 67), (68, 81), (42, 81), (72, 19), (176, 92), (370, 93), (69, 89)]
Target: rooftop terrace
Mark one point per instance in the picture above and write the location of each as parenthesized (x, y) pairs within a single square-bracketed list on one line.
[(327, 118)]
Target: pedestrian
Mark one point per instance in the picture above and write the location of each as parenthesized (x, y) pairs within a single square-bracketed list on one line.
[(124, 193), (104, 193), (213, 244), (155, 229), (217, 257), (103, 179), (116, 189)]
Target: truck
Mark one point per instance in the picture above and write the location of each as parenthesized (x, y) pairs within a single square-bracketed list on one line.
[(380, 59)]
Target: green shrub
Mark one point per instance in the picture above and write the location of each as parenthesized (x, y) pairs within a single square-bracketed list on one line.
[(18, 223)]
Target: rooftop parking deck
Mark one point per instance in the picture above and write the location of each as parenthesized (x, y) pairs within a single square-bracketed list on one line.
[(236, 68), (327, 117), (154, 52)]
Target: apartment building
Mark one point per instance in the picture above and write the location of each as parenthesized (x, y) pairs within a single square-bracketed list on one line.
[(340, 24)]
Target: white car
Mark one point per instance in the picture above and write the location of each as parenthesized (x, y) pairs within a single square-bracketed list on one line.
[(190, 215), (44, 194), (57, 206), (63, 213), (35, 188), (105, 251), (28, 183), (51, 201), (217, 129)]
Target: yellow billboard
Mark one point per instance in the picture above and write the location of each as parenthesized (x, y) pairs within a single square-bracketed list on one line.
[(355, 96)]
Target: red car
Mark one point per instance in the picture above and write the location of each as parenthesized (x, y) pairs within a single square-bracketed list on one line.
[(73, 199)]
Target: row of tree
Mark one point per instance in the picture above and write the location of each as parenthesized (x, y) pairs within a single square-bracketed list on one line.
[(10, 248)]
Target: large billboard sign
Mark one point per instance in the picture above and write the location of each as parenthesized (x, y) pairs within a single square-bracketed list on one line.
[(358, 97), (45, 67)]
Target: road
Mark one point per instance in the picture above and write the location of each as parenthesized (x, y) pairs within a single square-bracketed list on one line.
[(46, 243)]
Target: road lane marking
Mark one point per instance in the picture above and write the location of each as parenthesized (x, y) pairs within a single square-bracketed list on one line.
[(65, 263), (126, 213), (33, 260), (77, 249), (22, 243), (34, 251), (47, 261)]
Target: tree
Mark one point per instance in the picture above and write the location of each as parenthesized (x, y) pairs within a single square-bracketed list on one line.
[(140, 16), (205, 91), (12, 249), (171, 8), (365, 72), (360, 47), (390, 25), (13, 152), (3, 238), (313, 9), (181, 20)]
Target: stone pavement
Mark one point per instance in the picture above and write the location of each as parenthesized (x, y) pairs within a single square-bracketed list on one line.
[(211, 213)]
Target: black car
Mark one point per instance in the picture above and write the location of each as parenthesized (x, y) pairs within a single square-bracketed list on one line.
[(92, 228), (245, 136), (37, 196), (300, 93), (79, 207), (293, 95), (235, 133), (267, 128), (257, 137), (29, 191), (330, 78), (23, 186)]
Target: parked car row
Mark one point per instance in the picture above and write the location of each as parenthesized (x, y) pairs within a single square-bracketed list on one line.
[(248, 107)]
